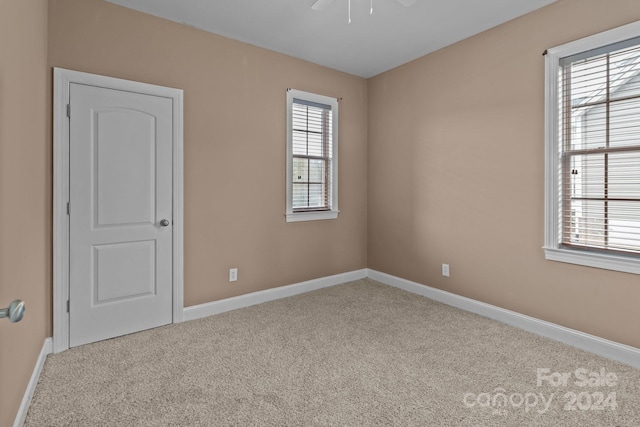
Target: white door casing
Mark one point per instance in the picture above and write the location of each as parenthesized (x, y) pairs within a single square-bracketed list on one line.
[(121, 270)]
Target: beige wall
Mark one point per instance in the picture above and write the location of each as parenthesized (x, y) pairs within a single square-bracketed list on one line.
[(234, 143), (25, 195), (456, 163)]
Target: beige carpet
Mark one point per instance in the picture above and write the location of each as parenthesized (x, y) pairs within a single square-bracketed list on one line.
[(358, 354)]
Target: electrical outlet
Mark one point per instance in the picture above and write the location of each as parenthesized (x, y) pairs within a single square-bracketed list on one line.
[(233, 274), (445, 270)]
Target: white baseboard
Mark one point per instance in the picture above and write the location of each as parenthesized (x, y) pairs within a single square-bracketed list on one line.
[(600, 346), (241, 301), (47, 349)]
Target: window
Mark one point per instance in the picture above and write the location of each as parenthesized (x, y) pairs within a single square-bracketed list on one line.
[(593, 151), (312, 156)]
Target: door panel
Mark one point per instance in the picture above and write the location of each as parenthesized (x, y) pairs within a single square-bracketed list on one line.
[(124, 271), (125, 156), (120, 190)]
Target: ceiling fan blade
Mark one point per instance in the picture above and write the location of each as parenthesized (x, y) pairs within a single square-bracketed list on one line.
[(320, 4), (406, 3)]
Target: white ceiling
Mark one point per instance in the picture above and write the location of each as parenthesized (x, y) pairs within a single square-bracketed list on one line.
[(370, 45)]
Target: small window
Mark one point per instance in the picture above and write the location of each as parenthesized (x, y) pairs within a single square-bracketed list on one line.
[(312, 156), (593, 151)]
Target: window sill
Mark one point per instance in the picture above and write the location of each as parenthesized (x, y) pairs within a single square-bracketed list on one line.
[(596, 260), (311, 216)]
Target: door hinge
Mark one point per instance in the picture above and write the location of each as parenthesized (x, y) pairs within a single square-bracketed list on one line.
[(68, 306), (68, 208), (68, 110)]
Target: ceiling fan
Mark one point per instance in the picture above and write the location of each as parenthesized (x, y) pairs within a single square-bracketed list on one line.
[(323, 4)]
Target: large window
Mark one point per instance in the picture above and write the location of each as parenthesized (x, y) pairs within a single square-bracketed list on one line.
[(593, 151), (312, 156)]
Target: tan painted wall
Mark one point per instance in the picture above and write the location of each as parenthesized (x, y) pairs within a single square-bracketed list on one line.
[(234, 144), (456, 174), (25, 195)]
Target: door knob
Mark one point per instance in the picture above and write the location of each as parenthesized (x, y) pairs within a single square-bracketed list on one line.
[(14, 312), (164, 222)]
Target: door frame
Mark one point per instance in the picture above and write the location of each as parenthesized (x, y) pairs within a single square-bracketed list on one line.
[(62, 79)]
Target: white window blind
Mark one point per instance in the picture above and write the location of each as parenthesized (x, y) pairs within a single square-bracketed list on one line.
[(312, 153), (599, 167), (312, 156)]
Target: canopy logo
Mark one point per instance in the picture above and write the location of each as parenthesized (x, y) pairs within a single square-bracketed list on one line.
[(589, 397)]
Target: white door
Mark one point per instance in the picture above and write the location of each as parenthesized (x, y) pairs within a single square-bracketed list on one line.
[(120, 224)]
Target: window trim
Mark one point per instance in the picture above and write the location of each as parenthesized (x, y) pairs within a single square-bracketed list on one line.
[(292, 215), (552, 244)]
